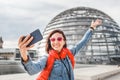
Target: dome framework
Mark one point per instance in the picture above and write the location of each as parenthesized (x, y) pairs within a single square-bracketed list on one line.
[(105, 42)]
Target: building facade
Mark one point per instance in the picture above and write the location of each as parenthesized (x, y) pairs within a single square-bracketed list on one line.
[(105, 42), (1, 42), (14, 54), (10, 59)]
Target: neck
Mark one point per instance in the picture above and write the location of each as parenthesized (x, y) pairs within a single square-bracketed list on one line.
[(58, 51)]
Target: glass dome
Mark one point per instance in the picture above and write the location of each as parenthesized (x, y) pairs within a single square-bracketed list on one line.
[(105, 41)]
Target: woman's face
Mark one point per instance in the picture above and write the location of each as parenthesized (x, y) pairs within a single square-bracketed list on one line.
[(57, 41)]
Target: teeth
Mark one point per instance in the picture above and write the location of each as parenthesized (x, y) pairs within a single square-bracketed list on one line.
[(56, 46)]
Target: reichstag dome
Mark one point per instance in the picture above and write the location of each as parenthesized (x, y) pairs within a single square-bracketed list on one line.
[(103, 47)]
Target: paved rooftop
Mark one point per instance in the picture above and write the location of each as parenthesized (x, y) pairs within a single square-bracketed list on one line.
[(82, 72), (96, 72)]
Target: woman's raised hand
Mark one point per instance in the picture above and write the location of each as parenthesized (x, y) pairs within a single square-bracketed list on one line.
[(96, 23)]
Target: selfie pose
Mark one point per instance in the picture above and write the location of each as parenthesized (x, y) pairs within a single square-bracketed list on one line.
[(59, 62)]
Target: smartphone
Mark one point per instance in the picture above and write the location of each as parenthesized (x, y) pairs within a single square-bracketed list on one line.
[(37, 36)]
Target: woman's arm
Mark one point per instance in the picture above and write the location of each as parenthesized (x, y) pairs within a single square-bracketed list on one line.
[(86, 37), (34, 67), (82, 42), (30, 66)]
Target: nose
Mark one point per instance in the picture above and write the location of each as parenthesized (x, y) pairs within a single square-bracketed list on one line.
[(56, 41)]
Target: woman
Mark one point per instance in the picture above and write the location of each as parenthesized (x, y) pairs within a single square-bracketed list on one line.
[(59, 63)]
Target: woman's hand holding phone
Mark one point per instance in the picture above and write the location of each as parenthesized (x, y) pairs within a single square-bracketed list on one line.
[(27, 42)]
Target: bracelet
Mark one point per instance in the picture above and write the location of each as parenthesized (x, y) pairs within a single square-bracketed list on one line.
[(92, 28)]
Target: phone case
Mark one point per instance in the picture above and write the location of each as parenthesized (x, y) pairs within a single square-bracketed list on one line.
[(37, 36)]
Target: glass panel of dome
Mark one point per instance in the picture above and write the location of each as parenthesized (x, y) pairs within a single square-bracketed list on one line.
[(74, 21)]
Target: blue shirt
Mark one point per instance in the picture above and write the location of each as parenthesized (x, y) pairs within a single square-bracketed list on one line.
[(62, 69)]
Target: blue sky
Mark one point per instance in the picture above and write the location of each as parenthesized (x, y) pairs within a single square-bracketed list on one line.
[(20, 17)]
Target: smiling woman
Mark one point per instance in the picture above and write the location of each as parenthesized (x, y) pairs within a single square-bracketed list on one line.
[(59, 62)]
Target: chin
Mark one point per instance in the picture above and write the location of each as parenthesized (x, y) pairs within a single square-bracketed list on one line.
[(57, 49)]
